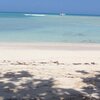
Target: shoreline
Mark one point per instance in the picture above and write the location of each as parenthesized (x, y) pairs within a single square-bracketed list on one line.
[(51, 46)]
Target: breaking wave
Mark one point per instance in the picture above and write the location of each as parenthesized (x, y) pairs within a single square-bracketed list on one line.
[(37, 15)]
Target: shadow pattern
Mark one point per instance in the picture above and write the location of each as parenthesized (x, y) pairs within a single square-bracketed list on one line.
[(41, 89)]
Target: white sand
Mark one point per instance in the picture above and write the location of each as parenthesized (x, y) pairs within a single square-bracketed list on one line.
[(49, 71)]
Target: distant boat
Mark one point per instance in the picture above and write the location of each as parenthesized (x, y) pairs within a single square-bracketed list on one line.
[(62, 14)]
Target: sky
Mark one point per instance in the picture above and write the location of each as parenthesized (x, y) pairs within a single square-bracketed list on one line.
[(51, 6)]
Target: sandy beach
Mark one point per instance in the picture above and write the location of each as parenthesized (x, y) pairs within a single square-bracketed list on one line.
[(49, 71)]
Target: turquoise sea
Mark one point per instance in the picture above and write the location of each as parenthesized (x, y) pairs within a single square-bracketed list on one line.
[(23, 27)]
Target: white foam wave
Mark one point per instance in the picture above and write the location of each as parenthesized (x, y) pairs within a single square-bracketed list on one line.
[(39, 15)]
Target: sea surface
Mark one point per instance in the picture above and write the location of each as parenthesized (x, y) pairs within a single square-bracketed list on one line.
[(24, 27)]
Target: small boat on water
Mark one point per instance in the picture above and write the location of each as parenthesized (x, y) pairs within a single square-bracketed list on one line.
[(62, 14)]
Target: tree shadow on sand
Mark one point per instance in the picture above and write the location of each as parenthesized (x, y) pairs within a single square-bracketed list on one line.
[(93, 83), (15, 87)]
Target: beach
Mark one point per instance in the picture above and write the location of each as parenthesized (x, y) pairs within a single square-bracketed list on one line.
[(49, 71)]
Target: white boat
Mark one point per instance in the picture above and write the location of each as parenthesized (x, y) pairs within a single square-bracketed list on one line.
[(62, 14)]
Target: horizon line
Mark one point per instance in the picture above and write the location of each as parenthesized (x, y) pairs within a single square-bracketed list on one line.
[(53, 13)]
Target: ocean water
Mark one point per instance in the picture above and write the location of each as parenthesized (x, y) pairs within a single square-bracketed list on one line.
[(23, 27)]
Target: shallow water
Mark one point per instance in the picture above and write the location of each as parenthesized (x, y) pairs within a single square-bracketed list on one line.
[(22, 27)]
